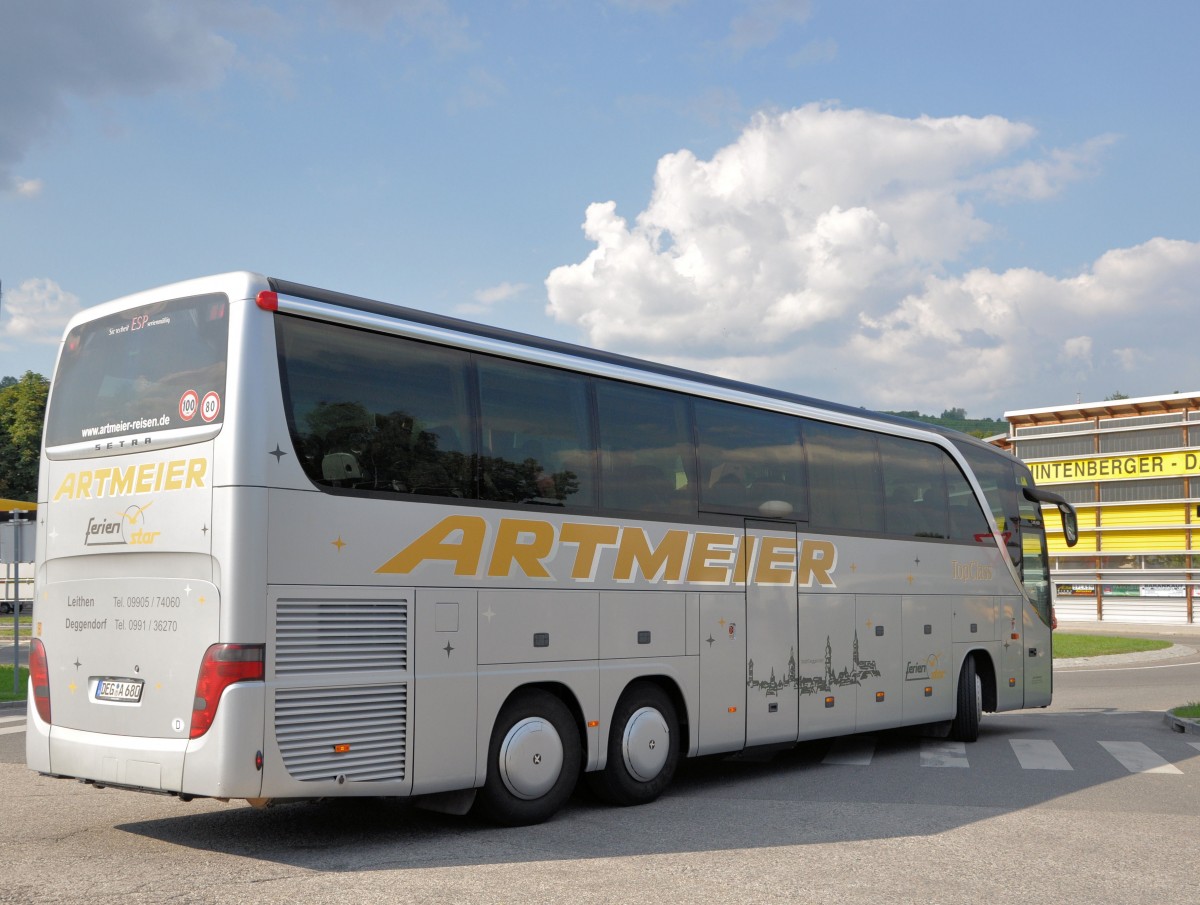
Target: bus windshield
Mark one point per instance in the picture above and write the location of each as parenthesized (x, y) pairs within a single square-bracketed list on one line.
[(141, 371)]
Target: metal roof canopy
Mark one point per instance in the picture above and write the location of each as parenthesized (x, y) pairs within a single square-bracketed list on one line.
[(1110, 408)]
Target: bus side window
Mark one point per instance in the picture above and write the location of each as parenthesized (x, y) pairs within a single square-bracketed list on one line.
[(914, 488), (372, 412), (846, 488), (751, 462), (995, 474), (536, 429), (967, 521), (646, 450)]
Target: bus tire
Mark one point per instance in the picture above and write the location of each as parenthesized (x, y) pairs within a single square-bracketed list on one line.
[(643, 747), (533, 761), (965, 727)]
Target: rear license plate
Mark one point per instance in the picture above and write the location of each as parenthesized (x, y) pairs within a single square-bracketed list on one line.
[(127, 691)]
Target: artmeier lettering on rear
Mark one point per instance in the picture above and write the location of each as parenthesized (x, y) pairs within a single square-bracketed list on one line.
[(149, 477)]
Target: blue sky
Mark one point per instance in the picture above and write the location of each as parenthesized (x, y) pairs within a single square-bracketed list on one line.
[(895, 205)]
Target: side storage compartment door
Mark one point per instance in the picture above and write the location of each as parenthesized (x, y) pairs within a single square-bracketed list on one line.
[(772, 696), (445, 690), (722, 711), (875, 659), (929, 691), (824, 669)]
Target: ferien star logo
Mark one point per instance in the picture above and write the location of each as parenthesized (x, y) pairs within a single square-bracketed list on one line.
[(128, 528)]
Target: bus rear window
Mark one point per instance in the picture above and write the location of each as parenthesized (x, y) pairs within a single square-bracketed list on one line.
[(160, 367)]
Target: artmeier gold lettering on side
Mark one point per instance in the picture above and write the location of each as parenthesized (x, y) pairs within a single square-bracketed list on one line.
[(529, 548), (1101, 468)]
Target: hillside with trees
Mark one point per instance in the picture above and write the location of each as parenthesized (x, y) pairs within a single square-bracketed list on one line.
[(956, 419), (22, 409)]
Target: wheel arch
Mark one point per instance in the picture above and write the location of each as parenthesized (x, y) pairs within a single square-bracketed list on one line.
[(670, 687), (985, 668), (565, 694)]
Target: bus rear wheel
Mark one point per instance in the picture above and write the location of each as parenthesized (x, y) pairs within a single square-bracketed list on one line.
[(965, 727), (643, 747), (533, 761)]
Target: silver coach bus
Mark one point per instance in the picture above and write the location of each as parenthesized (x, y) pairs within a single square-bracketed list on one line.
[(297, 544)]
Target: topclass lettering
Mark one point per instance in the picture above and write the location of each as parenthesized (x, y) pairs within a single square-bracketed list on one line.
[(527, 547)]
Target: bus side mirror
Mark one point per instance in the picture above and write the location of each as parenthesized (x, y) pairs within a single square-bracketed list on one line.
[(1070, 523)]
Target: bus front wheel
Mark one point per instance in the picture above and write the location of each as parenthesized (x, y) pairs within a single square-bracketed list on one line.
[(533, 760), (965, 727), (643, 747)]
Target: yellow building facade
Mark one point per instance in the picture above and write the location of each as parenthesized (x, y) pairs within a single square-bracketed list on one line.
[(1131, 467)]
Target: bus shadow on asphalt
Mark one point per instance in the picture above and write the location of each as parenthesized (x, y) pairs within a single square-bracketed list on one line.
[(791, 797)]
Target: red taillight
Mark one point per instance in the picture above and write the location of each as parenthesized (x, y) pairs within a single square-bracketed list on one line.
[(267, 301), (222, 666), (39, 678)]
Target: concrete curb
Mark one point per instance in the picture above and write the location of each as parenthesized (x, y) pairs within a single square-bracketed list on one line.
[(1181, 724)]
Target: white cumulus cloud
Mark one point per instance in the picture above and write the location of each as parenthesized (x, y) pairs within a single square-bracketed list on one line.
[(36, 311), (822, 251)]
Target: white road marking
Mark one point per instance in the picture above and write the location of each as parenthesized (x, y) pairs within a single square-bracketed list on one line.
[(1038, 754), (1138, 758), (943, 754)]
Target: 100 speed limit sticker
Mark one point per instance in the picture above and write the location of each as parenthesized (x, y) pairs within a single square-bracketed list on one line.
[(208, 408)]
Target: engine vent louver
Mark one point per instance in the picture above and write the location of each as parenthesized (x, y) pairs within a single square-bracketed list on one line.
[(327, 636), (358, 732), (354, 723)]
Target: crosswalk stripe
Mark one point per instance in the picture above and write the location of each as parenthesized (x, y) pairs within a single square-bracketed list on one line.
[(1195, 745), (1038, 754), (12, 719), (935, 753), (1138, 758), (11, 730), (853, 751)]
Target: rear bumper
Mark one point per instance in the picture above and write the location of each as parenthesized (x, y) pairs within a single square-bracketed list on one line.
[(220, 764)]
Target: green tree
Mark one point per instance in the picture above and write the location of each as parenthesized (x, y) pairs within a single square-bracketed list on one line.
[(22, 411)]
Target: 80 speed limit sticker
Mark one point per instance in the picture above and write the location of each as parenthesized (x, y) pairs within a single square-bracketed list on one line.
[(210, 406)]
